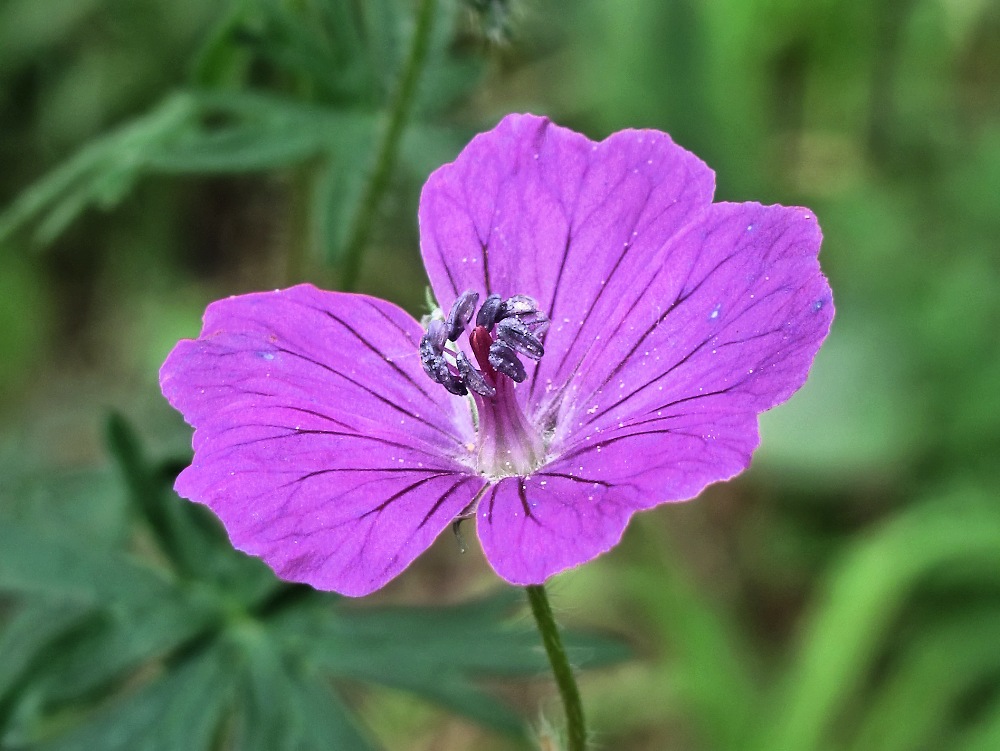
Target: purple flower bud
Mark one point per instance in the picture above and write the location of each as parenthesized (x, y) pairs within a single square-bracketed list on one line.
[(517, 336), (504, 359), (461, 313), (473, 378)]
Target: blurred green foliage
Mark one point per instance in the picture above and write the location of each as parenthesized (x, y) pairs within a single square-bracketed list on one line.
[(843, 595)]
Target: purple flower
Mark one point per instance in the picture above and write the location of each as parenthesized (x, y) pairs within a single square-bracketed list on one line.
[(606, 340)]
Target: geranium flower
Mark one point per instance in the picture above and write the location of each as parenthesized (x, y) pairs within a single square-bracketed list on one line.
[(606, 340)]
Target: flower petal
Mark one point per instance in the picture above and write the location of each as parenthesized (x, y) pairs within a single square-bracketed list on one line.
[(577, 507), (733, 320), (727, 329), (320, 443), (531, 208)]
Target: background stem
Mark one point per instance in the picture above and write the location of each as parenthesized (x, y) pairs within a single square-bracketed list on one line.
[(575, 727), (388, 147)]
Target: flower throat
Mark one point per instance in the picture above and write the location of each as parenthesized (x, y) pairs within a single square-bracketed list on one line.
[(504, 330)]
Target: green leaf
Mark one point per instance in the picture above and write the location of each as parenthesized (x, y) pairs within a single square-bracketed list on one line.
[(170, 527), (274, 713), (61, 195), (187, 534), (183, 709), (31, 636), (457, 645), (983, 736), (862, 595), (37, 561), (278, 643), (914, 707), (190, 133)]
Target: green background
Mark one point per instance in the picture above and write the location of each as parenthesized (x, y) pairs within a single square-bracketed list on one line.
[(155, 155)]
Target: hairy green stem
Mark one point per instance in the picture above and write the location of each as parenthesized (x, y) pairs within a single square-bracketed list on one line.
[(388, 147), (576, 730)]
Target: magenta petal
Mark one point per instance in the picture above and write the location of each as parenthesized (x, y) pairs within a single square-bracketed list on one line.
[(578, 506), (730, 325), (535, 209), (320, 443), (727, 329)]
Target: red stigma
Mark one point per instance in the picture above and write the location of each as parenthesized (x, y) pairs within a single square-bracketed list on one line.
[(481, 340)]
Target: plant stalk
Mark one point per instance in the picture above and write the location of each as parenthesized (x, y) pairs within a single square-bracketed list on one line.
[(388, 147), (576, 730)]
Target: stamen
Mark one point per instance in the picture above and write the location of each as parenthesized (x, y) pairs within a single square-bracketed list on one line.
[(430, 357), (516, 335), (509, 443), (435, 366), (461, 313), (473, 378), (518, 305), (437, 331), (489, 313), (455, 386), (503, 330), (504, 359)]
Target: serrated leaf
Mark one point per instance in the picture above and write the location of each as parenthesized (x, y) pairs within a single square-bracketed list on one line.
[(60, 195), (189, 133), (25, 643), (272, 716), (182, 709), (276, 648), (189, 536), (38, 561), (458, 645)]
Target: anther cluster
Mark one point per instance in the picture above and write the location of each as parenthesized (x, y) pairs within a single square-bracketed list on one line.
[(503, 330)]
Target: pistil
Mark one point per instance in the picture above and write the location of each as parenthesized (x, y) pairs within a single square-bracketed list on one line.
[(508, 443), (503, 332)]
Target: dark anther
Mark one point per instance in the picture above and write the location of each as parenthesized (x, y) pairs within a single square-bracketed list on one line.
[(473, 378), (461, 313), (432, 360), (489, 312), (504, 329), (505, 361), (516, 335), (517, 305), (455, 386), (437, 331)]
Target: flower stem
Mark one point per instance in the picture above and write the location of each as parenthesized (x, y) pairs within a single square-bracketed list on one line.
[(388, 146), (575, 727)]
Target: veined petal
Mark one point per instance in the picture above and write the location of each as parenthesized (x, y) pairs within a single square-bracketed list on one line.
[(668, 405), (731, 323), (577, 507), (320, 443), (534, 209)]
